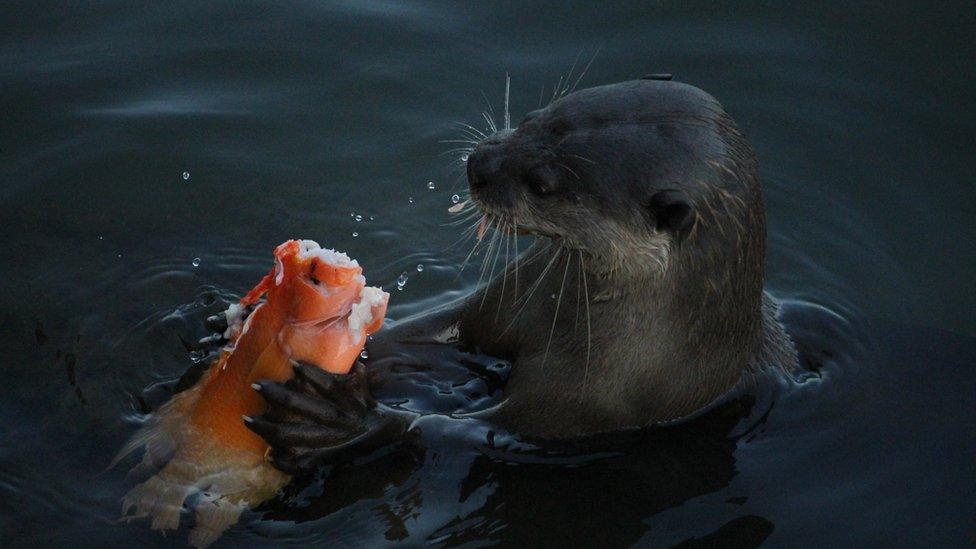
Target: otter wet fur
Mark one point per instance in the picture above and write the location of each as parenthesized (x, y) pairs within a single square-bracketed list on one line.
[(641, 300)]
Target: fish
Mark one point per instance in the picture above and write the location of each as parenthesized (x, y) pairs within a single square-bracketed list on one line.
[(312, 307)]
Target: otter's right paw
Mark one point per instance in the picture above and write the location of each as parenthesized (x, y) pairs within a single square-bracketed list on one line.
[(318, 417)]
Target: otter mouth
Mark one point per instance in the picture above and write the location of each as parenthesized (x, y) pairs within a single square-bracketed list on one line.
[(493, 215), (470, 207)]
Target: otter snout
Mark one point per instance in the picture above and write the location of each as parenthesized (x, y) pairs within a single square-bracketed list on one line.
[(488, 167), (482, 166)]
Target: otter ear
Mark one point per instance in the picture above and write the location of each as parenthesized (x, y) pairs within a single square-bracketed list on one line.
[(672, 211)]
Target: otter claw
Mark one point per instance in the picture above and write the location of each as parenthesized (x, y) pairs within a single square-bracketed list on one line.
[(288, 397), (217, 322), (349, 392), (320, 417), (213, 339)]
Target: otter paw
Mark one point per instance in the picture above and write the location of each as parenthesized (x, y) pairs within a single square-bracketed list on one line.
[(318, 417)]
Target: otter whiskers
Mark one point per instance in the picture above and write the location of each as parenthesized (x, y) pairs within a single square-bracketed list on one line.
[(555, 315), (586, 299), (501, 296), (488, 259), (563, 87), (524, 300)]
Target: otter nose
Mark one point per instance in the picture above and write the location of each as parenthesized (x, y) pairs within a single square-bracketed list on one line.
[(487, 161), (483, 166), (480, 167)]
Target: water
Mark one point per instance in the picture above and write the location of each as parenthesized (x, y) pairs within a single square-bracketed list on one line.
[(288, 117)]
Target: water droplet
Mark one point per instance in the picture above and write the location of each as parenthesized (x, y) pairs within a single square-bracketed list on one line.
[(431, 186), (372, 218), (401, 281), (420, 267), (358, 218), (352, 214), (364, 355), (195, 262), (410, 199), (553, 296), (455, 199), (355, 234), (120, 256), (186, 176), (100, 237), (464, 158)]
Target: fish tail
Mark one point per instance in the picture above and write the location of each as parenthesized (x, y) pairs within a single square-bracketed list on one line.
[(214, 515), (159, 499)]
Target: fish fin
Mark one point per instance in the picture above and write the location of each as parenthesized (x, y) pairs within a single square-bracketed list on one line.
[(255, 294), (160, 499), (214, 515), (229, 491), (161, 434)]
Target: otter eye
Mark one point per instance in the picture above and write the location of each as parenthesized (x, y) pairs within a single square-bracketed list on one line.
[(540, 183), (672, 211)]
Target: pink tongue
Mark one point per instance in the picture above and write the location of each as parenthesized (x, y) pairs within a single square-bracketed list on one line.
[(482, 227)]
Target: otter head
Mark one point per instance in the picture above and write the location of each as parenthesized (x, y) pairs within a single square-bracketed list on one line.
[(640, 176)]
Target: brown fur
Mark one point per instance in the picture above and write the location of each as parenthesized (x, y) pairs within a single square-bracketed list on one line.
[(614, 323)]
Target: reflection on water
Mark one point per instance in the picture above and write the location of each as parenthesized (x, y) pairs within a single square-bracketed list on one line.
[(153, 156)]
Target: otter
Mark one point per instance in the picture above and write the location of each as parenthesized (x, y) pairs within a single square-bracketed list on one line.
[(640, 302)]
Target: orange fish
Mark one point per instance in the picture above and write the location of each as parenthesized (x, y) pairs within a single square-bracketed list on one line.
[(318, 310)]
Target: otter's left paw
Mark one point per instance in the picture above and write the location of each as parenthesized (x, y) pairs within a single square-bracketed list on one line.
[(318, 417)]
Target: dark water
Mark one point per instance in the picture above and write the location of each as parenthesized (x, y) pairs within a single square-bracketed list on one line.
[(289, 117)]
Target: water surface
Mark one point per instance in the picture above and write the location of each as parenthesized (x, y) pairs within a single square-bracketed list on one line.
[(288, 118)]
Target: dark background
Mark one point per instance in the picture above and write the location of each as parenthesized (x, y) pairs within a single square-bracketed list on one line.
[(288, 117)]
